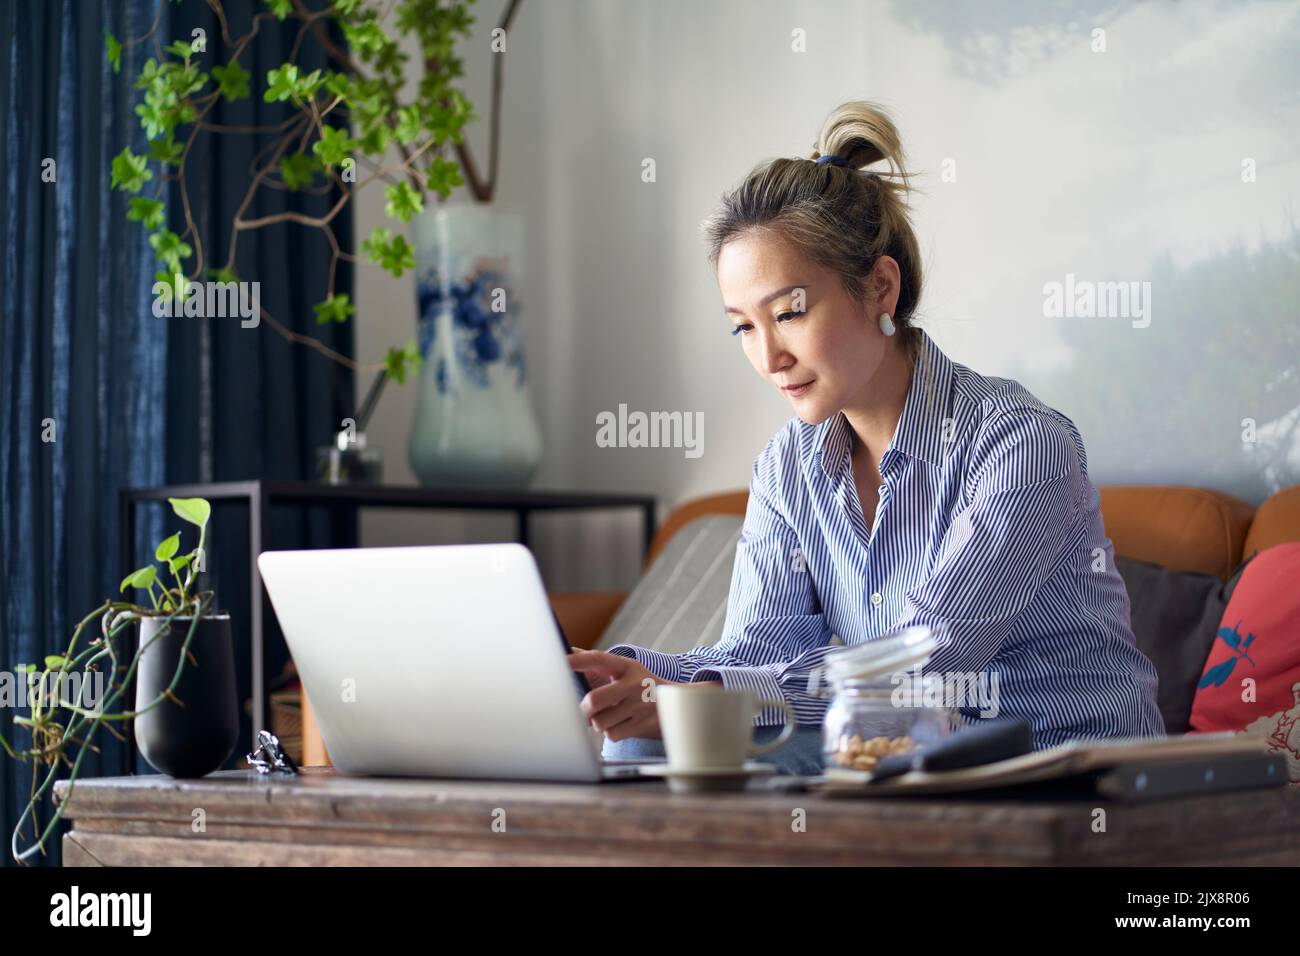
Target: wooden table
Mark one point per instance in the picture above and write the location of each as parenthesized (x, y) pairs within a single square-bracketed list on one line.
[(323, 818)]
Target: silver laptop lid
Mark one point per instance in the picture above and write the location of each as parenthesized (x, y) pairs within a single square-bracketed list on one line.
[(433, 661)]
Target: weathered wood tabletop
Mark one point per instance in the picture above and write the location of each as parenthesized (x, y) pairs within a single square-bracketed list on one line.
[(322, 818)]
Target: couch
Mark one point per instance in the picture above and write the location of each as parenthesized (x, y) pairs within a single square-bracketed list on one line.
[(1180, 528)]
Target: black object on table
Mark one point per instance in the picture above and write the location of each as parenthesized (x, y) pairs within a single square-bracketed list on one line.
[(261, 495), (972, 746)]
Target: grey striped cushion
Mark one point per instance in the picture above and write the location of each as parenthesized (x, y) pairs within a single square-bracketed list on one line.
[(680, 602)]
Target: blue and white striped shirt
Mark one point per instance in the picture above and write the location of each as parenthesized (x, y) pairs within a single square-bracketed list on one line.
[(987, 525)]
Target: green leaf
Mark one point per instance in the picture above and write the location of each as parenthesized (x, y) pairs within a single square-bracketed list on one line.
[(372, 102), (194, 510), (401, 255), (232, 80), (157, 116), (333, 146), (142, 578), (297, 170), (168, 547), (24, 668), (53, 662), (408, 124), (376, 140), (187, 80), (150, 73), (376, 242), (443, 175), (403, 201), (169, 281), (281, 8), (310, 83), (165, 149), (150, 212), (285, 83), (337, 308), (367, 38), (223, 274), (394, 253), (170, 250), (160, 90), (398, 362), (340, 85), (448, 119), (114, 48), (130, 172), (178, 565), (181, 48), (282, 83), (390, 59)]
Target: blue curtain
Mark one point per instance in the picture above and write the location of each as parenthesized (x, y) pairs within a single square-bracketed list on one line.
[(82, 361), (96, 394), (245, 402)]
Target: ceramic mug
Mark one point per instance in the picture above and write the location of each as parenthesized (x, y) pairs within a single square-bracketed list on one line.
[(711, 728)]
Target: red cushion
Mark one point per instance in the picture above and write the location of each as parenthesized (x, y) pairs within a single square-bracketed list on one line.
[(1251, 680)]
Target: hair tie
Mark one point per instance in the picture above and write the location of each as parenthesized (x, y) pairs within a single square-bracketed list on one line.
[(836, 160)]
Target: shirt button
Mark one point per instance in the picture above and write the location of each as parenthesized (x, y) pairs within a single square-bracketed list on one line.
[(876, 599)]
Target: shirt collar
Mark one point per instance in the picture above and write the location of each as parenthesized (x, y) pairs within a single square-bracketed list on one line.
[(920, 427)]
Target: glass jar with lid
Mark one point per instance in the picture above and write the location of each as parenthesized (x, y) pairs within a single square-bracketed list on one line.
[(878, 701)]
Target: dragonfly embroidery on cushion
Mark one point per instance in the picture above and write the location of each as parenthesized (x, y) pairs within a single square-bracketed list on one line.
[(1220, 672)]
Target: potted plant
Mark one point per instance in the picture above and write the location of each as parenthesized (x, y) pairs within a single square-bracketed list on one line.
[(344, 125), (185, 715)]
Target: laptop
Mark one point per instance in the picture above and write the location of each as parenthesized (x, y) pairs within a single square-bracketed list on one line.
[(441, 661)]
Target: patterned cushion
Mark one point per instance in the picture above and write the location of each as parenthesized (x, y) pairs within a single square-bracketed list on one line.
[(680, 602), (1252, 677)]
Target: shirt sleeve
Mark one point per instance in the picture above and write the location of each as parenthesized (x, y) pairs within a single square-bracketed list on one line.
[(1016, 527), (774, 633)]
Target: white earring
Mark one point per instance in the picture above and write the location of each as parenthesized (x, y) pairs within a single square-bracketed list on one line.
[(886, 324)]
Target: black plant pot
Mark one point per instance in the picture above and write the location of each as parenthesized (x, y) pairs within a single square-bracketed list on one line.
[(195, 739)]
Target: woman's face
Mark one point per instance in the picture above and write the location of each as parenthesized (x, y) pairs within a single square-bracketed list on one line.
[(826, 339)]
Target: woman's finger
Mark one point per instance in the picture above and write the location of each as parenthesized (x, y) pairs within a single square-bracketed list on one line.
[(603, 698), (598, 663), (622, 722), (610, 710)]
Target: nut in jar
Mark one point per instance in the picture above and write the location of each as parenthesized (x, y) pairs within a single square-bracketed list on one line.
[(855, 753)]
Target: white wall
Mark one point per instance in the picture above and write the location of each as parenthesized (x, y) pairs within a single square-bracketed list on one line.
[(1116, 165)]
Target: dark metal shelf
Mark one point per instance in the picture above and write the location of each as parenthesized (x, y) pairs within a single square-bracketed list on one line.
[(260, 496)]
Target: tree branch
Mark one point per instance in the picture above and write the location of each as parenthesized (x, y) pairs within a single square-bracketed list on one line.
[(483, 191), (314, 343)]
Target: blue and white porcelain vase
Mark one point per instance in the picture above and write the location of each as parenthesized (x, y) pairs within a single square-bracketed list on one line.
[(474, 425)]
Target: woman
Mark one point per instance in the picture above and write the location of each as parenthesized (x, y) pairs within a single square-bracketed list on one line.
[(908, 489)]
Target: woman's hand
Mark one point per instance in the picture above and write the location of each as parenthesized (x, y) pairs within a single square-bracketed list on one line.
[(622, 698)]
